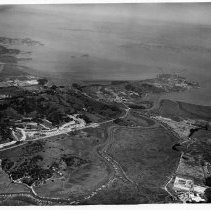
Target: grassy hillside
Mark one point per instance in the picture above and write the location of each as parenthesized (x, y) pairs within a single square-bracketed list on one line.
[(178, 110)]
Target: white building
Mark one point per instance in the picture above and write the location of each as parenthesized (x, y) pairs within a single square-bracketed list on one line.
[(199, 189), (181, 184), (195, 197), (190, 191)]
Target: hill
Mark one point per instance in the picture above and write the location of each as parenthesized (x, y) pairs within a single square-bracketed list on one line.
[(177, 109)]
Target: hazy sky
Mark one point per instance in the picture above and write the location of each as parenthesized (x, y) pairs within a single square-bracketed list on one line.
[(199, 13), (183, 12)]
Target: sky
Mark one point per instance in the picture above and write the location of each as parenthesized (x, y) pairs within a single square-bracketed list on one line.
[(196, 13)]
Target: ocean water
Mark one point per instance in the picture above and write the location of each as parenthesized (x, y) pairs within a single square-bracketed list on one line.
[(121, 42)]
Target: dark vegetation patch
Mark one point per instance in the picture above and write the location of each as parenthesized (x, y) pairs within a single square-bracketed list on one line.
[(135, 106), (208, 181), (200, 148), (122, 122), (179, 147), (73, 161), (25, 163), (12, 92), (207, 194), (5, 132), (203, 135), (141, 105)]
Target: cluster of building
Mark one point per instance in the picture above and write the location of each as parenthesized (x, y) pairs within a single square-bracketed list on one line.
[(3, 96), (113, 95), (18, 83), (187, 191), (189, 183), (170, 81), (182, 128), (34, 131)]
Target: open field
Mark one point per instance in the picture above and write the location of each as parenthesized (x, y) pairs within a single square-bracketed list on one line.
[(147, 160), (143, 154)]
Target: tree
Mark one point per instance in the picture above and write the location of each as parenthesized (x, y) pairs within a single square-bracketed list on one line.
[(53, 87), (42, 81), (207, 194), (76, 86), (208, 181)]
